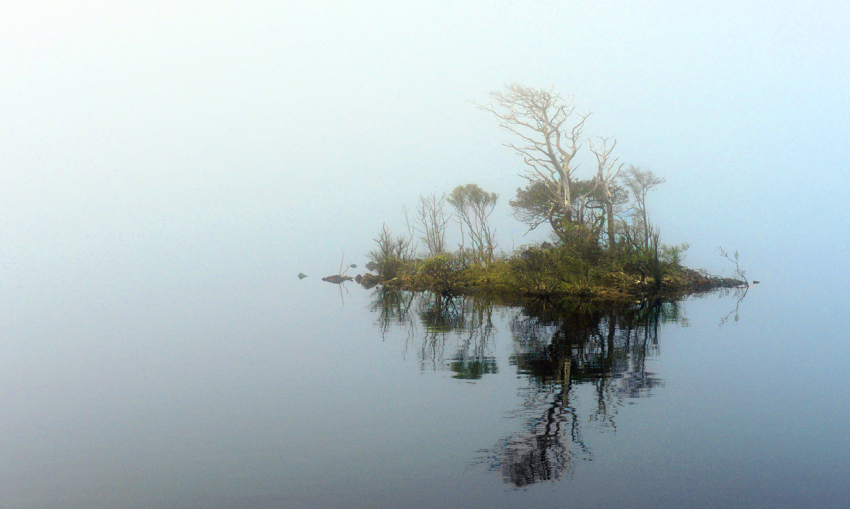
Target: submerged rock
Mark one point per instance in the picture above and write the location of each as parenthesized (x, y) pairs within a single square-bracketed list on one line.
[(301, 275)]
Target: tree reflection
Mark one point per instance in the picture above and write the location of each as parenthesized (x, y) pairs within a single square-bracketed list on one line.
[(570, 352), (464, 325), (583, 363), (740, 294)]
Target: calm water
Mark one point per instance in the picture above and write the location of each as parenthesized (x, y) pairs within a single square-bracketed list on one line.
[(122, 388)]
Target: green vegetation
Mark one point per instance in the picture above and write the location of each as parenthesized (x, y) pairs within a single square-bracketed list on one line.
[(582, 270), (603, 243)]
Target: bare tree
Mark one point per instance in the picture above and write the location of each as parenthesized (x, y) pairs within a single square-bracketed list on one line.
[(431, 222), (606, 173), (473, 207), (392, 253), (734, 259), (640, 183), (549, 137)]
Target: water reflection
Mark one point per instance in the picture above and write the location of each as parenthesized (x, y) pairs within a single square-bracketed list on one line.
[(740, 293), (582, 363), (431, 320), (563, 349)]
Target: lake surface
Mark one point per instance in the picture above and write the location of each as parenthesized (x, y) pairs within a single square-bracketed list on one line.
[(122, 388)]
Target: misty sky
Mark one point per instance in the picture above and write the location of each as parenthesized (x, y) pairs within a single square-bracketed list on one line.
[(230, 133)]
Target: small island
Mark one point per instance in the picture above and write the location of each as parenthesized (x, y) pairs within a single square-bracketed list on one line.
[(585, 271), (603, 244)]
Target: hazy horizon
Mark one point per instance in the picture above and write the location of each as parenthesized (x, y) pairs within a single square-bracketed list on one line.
[(290, 133)]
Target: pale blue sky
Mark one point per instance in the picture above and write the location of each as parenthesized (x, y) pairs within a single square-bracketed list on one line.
[(282, 133)]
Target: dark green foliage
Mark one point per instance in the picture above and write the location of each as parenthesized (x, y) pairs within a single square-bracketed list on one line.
[(655, 261), (534, 206), (547, 269), (583, 243), (533, 270), (442, 272)]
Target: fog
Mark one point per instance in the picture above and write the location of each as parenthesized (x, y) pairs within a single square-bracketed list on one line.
[(218, 135), (168, 168)]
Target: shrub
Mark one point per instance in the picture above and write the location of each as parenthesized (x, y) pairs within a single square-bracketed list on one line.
[(442, 271), (540, 269), (391, 255)]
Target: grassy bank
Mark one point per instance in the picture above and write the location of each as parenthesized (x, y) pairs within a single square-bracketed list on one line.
[(547, 271)]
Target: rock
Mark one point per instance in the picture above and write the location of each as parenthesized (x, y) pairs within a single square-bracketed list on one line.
[(368, 280), (336, 279), (301, 275)]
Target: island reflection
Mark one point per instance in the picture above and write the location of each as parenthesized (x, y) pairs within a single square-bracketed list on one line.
[(561, 349), (567, 351), (431, 319)]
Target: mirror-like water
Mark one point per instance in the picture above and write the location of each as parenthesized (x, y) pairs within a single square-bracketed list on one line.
[(234, 392)]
